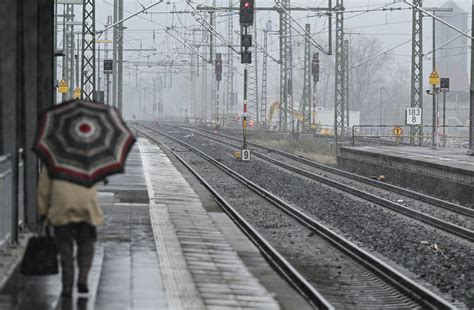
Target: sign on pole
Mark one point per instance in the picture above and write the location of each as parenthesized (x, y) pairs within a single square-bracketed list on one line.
[(444, 84), (77, 93), (413, 116), (108, 65), (63, 87), (397, 131), (434, 78)]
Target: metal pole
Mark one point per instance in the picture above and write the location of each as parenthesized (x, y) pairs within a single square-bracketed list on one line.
[(444, 118), (114, 56), (120, 59), (339, 74), (417, 70), (65, 53), (217, 106), (88, 78), (55, 61), (433, 138), (471, 92), (98, 67), (437, 121), (244, 120), (108, 88), (78, 81)]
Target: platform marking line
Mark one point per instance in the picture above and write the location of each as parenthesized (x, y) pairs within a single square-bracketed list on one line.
[(181, 291), (220, 275)]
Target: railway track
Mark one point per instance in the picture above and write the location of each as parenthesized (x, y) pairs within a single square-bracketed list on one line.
[(307, 168), (366, 281), (450, 206)]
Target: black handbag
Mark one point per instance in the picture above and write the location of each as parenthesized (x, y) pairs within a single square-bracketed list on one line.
[(41, 256)]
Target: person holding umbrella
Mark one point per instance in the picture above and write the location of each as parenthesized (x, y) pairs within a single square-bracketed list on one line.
[(80, 143)]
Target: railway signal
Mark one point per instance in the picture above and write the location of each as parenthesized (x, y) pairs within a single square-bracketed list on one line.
[(246, 12), (218, 67), (315, 67)]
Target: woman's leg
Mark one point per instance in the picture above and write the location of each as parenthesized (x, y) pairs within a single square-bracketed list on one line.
[(85, 252), (64, 242)]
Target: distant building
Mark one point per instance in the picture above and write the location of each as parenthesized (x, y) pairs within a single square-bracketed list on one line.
[(451, 60)]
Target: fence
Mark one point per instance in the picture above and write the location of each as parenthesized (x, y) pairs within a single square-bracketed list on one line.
[(6, 200), (448, 136)]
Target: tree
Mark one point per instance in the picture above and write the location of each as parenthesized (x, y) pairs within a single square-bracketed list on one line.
[(367, 78)]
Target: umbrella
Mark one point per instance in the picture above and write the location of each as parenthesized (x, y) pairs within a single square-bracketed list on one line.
[(83, 142)]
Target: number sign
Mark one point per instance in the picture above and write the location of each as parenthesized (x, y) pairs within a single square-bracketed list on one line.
[(413, 116), (245, 155)]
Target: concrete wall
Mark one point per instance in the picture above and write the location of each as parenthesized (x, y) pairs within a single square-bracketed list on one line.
[(26, 86), (440, 181)]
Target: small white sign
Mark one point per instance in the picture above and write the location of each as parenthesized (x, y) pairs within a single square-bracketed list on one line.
[(245, 155), (413, 116)]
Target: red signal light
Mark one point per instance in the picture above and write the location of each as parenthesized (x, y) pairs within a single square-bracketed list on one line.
[(247, 4)]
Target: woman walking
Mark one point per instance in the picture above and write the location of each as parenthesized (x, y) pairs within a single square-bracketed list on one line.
[(74, 212)]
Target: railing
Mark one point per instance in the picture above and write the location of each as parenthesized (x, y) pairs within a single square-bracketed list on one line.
[(6, 200), (454, 136)]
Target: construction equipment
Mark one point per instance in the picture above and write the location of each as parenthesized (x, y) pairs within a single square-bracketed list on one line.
[(275, 106)]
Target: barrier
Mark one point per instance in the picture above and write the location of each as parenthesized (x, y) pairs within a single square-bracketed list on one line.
[(455, 136)]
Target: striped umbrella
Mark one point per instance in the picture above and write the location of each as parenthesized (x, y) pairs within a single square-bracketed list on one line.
[(83, 142)]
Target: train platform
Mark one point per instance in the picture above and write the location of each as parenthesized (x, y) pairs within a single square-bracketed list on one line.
[(444, 172), (166, 244)]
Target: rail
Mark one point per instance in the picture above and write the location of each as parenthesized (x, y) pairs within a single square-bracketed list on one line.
[(6, 200), (372, 263), (430, 220), (448, 136), (273, 257)]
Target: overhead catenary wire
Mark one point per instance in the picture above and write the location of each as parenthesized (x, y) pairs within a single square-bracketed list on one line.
[(207, 25)]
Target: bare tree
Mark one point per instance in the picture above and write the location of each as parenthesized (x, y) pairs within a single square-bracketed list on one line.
[(366, 79)]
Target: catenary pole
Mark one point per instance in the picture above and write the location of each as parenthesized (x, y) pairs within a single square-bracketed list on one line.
[(471, 91)]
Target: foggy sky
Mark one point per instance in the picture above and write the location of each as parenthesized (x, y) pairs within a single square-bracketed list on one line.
[(391, 27)]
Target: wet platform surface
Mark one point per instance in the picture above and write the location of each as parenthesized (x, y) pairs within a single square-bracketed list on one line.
[(161, 248), (455, 158)]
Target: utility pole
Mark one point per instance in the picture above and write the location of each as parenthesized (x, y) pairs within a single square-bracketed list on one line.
[(263, 105), (114, 55), (68, 45), (339, 84), (285, 70), (211, 57), (204, 85), (79, 48), (315, 73), (193, 80), (120, 58), (88, 51), (306, 96), (471, 92), (254, 74), (434, 138), (244, 121), (218, 72), (55, 47), (230, 63), (346, 85), (417, 69), (435, 90)]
